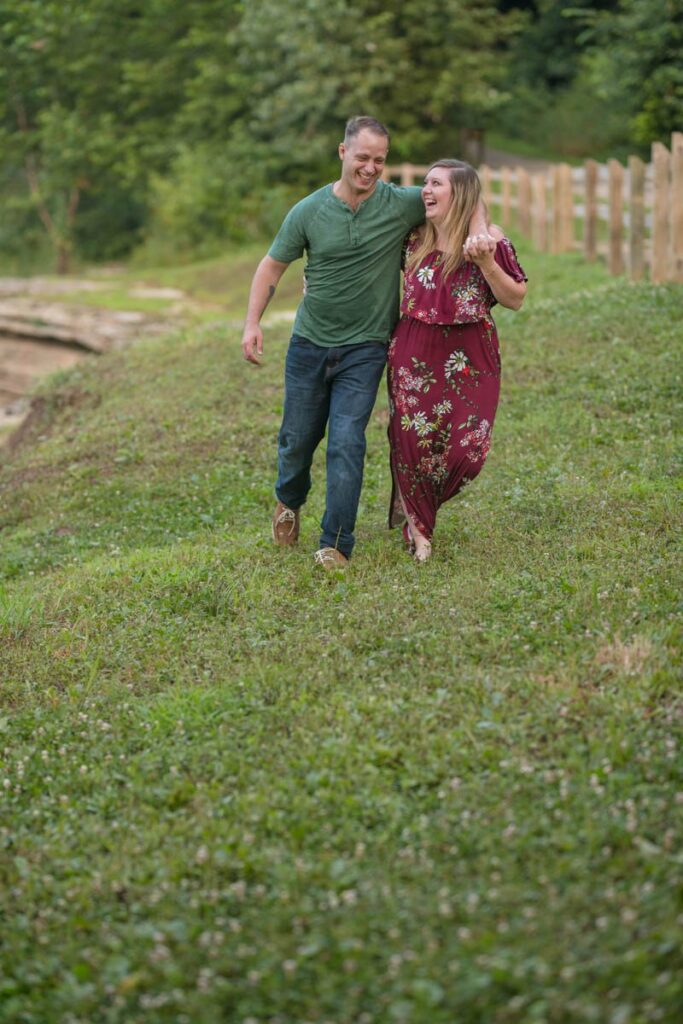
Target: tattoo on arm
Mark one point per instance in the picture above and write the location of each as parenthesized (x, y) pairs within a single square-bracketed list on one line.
[(271, 292)]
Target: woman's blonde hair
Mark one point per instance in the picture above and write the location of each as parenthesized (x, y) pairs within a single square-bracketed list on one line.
[(465, 192)]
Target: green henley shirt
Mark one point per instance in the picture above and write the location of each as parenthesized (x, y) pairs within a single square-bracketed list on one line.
[(353, 261)]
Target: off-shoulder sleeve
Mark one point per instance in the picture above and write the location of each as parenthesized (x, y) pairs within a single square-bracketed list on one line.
[(409, 243), (506, 257)]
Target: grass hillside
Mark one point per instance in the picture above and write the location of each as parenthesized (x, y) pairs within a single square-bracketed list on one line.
[(237, 790)]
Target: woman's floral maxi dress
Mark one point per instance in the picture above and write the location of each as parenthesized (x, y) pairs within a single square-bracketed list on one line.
[(444, 381)]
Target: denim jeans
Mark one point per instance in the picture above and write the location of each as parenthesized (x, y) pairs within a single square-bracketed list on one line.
[(335, 387)]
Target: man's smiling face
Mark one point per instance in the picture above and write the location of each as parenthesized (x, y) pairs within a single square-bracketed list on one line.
[(363, 159)]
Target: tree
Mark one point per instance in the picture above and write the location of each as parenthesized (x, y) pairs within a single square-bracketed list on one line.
[(425, 67), (89, 90), (635, 59), (269, 95), (214, 113), (597, 77)]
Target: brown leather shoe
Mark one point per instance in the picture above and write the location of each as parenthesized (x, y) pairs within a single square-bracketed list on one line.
[(285, 525), (330, 558)]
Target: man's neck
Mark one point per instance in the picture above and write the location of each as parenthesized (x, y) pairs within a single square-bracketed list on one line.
[(351, 198)]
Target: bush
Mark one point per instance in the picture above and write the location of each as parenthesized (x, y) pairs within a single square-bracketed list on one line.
[(575, 122), (204, 201)]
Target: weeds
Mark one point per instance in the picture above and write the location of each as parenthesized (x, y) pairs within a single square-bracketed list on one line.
[(234, 790)]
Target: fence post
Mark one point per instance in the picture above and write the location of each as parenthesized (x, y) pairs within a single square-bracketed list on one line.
[(539, 231), (636, 247), (661, 161), (556, 221), (677, 205), (523, 201), (590, 214), (615, 252), (565, 200), (407, 174), (505, 196)]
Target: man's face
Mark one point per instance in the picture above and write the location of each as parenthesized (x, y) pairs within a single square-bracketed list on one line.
[(363, 160)]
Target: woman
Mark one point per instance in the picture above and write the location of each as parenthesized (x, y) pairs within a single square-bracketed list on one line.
[(444, 361)]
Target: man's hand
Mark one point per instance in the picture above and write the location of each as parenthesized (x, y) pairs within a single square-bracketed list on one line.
[(268, 273), (479, 249), (252, 343)]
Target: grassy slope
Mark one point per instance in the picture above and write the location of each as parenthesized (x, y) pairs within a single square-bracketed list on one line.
[(240, 791)]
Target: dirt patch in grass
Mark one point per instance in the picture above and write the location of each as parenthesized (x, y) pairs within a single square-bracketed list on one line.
[(43, 414), (627, 658)]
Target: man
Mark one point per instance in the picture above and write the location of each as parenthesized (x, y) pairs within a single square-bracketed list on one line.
[(352, 232)]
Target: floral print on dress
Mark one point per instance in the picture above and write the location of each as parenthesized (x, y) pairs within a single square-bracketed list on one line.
[(444, 382), (457, 362), (425, 276), (409, 384), (442, 399), (463, 298), (477, 442)]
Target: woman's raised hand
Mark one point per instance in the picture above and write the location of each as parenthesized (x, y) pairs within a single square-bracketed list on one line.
[(479, 248)]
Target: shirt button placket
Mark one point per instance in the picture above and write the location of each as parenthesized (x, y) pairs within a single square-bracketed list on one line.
[(354, 235)]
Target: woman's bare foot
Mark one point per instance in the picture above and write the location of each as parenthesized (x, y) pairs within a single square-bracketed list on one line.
[(418, 545), (423, 548)]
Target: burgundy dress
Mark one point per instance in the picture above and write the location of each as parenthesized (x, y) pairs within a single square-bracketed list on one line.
[(444, 381)]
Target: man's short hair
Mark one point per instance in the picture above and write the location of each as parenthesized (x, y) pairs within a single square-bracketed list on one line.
[(355, 125)]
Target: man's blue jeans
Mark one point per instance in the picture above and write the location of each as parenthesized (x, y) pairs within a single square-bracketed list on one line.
[(335, 386)]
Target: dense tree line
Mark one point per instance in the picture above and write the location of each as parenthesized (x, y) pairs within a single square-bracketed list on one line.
[(596, 78), (182, 124)]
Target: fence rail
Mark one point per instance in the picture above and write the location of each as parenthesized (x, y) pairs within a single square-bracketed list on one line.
[(632, 215)]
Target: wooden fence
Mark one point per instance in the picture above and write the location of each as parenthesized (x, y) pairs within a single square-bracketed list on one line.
[(631, 215)]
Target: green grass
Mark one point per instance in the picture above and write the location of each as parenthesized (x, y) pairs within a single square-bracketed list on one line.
[(240, 791), (524, 148)]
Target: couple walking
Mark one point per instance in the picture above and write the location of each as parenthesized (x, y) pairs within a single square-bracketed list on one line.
[(443, 357)]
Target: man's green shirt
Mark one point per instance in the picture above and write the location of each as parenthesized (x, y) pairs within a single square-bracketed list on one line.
[(354, 261)]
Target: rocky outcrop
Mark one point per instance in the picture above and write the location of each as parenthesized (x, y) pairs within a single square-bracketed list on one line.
[(93, 329), (38, 337)]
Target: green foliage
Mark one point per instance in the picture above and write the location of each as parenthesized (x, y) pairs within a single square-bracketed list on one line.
[(329, 61), (207, 106), (598, 79), (212, 115), (298, 85), (202, 202), (89, 92), (547, 52), (635, 62), (234, 790), (573, 122)]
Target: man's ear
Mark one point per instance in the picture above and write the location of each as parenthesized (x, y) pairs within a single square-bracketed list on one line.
[(341, 150)]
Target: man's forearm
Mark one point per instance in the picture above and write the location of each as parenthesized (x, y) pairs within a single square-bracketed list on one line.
[(268, 273), (263, 286), (479, 222)]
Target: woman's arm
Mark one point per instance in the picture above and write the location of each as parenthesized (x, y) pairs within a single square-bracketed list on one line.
[(506, 290)]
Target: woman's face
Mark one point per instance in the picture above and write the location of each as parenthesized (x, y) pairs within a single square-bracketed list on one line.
[(437, 194)]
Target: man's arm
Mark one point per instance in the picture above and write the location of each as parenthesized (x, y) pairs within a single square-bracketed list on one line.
[(479, 224), (263, 285), (479, 236)]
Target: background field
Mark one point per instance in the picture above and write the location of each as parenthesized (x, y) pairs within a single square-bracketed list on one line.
[(237, 790)]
